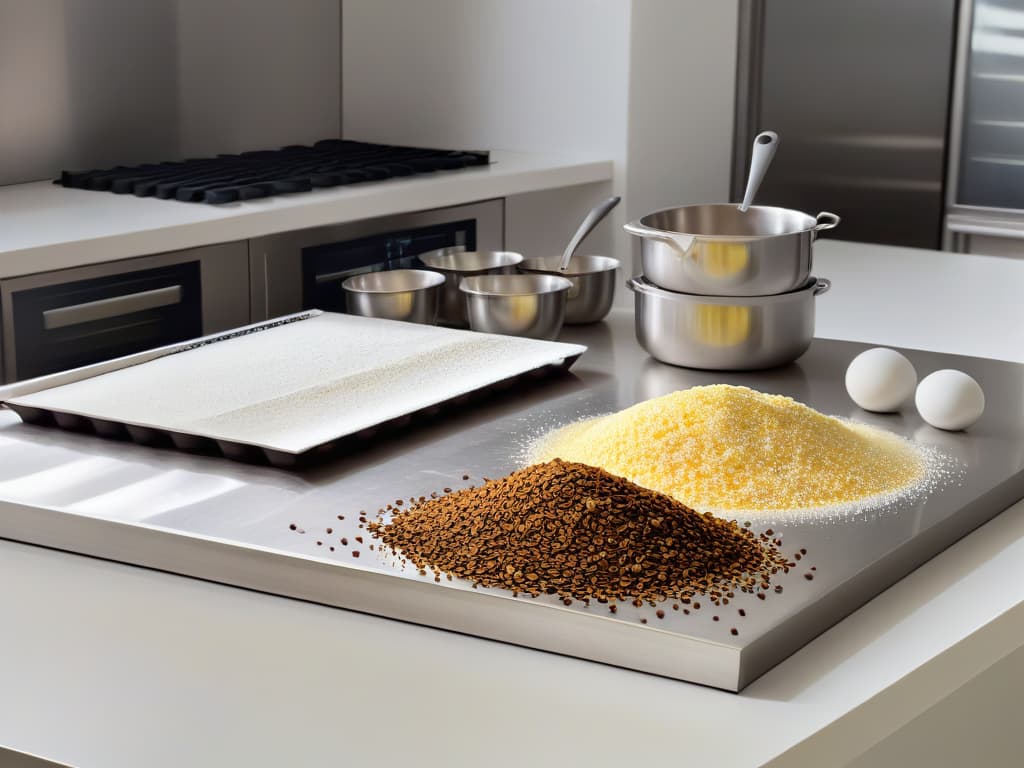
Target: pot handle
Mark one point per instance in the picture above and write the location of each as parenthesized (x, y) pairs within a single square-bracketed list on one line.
[(825, 220), (681, 244), (822, 285)]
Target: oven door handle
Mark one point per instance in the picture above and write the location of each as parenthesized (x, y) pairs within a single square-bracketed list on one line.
[(115, 306)]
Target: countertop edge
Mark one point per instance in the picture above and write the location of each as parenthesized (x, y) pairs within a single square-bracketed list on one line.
[(79, 240)]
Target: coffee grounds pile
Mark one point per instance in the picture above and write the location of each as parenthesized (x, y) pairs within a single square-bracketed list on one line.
[(581, 533)]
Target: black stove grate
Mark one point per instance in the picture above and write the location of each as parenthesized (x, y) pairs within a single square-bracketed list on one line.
[(250, 175)]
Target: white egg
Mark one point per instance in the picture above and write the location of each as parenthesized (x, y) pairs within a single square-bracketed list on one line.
[(881, 380), (950, 399)]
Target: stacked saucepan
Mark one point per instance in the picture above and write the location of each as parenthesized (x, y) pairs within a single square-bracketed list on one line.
[(727, 287)]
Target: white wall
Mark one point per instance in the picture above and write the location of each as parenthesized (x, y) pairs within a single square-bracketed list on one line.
[(85, 84), (682, 84), (530, 75), (257, 74), (95, 83), (527, 75), (647, 84), (682, 80)]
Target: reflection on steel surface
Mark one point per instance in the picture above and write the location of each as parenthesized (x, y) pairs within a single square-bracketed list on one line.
[(242, 536)]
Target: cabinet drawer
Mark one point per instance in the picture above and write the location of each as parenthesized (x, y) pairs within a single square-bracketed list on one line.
[(69, 318), (72, 324)]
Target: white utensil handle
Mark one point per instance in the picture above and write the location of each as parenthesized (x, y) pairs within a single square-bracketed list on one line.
[(765, 144)]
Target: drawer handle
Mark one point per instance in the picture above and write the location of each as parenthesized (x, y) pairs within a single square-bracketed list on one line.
[(115, 306)]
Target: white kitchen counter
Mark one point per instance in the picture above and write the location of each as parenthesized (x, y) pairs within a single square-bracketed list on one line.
[(44, 226), (913, 297), (107, 665)]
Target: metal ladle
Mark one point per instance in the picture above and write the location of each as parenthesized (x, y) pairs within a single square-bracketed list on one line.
[(590, 221), (765, 144)]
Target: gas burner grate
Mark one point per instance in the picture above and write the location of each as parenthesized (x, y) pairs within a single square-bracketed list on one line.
[(250, 175)]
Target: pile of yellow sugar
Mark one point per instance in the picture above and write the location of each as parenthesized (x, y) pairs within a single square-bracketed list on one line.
[(726, 448)]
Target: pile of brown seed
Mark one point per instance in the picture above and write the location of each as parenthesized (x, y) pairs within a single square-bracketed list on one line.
[(581, 533)]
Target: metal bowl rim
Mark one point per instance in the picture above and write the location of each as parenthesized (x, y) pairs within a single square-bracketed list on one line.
[(552, 284), (435, 279), (640, 284), (809, 220), (502, 259), (529, 265)]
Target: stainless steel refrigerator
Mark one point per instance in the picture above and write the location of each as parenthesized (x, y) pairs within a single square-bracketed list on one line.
[(985, 191), (860, 94)]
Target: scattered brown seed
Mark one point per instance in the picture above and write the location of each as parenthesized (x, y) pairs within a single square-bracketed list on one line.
[(580, 533), (293, 526), (808, 576), (660, 614), (330, 531), (355, 553), (733, 631), (344, 542)]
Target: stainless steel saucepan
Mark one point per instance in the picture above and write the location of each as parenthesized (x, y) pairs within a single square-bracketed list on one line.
[(725, 333), (719, 250)]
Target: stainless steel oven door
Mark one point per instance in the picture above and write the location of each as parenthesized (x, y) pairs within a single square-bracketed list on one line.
[(280, 280), (71, 317)]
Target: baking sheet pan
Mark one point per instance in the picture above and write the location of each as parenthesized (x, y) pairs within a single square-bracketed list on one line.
[(289, 388)]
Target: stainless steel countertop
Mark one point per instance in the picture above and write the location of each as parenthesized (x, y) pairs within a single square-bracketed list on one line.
[(206, 517)]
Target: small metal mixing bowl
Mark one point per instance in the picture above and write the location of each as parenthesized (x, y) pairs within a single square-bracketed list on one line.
[(516, 305), (455, 264), (593, 284), (400, 294)]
